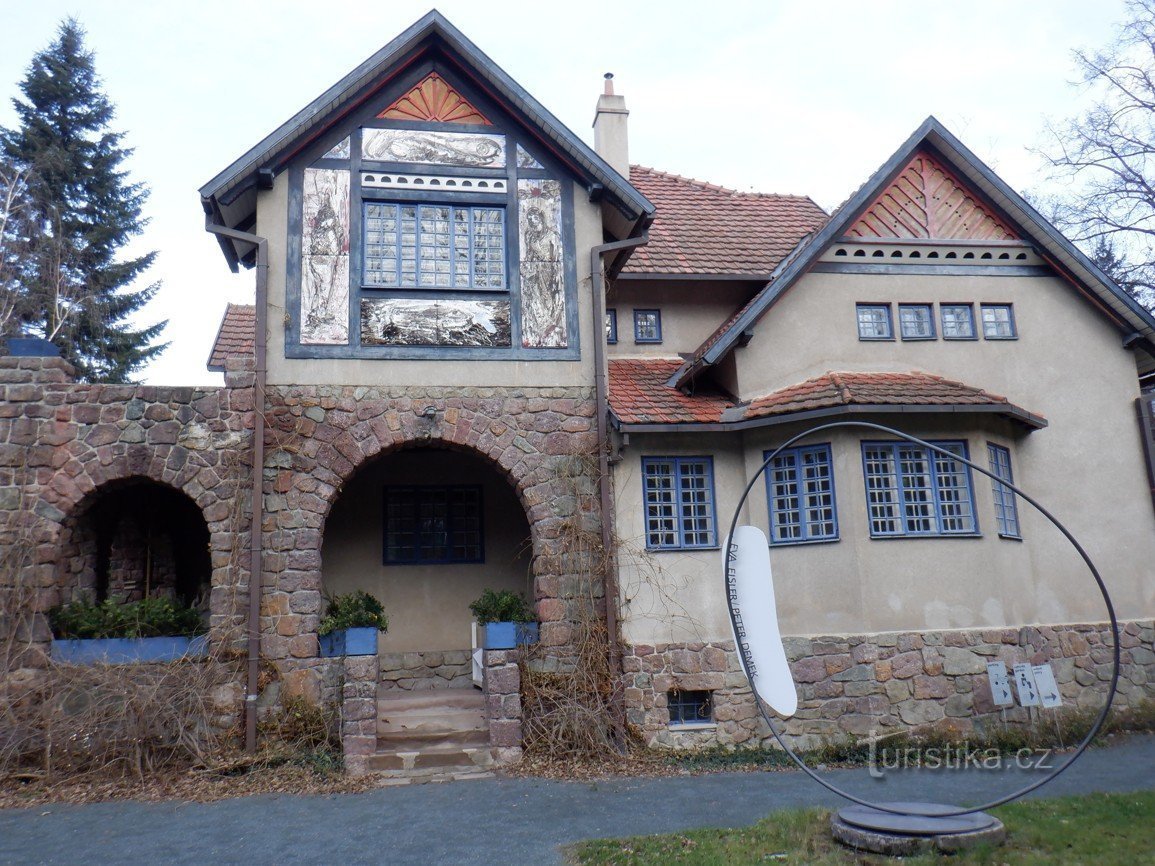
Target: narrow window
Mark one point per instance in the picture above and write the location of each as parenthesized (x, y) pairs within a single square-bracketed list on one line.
[(874, 322), (1006, 504), (433, 525), (911, 490), (958, 321), (611, 326), (690, 707), (679, 502), (916, 321), (800, 492), (647, 326), (999, 322)]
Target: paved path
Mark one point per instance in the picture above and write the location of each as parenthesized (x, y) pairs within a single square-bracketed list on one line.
[(499, 821)]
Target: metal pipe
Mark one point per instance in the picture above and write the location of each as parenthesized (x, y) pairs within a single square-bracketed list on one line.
[(597, 278), (260, 349)]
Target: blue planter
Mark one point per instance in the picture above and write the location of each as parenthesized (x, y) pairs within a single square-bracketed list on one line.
[(125, 650), (349, 642), (507, 635), (32, 347)]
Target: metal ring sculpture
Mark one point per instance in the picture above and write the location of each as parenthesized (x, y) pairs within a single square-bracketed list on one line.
[(1095, 728)]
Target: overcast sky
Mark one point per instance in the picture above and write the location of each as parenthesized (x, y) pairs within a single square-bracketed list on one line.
[(768, 96)]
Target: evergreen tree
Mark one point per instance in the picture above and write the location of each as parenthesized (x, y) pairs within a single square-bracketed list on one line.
[(76, 290)]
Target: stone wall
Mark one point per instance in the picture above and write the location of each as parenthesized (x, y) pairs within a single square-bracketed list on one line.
[(359, 712), (862, 684), (419, 671), (503, 704)]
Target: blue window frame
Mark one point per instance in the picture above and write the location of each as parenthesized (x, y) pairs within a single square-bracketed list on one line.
[(999, 322), (800, 495), (679, 500), (690, 707), (874, 322), (418, 246), (611, 326), (916, 321), (647, 326), (433, 525), (912, 491), (958, 321), (1006, 503)]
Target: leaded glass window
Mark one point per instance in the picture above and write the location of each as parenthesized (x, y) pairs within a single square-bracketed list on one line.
[(412, 246), (912, 490), (800, 492), (1006, 503), (679, 502), (874, 322), (433, 525)]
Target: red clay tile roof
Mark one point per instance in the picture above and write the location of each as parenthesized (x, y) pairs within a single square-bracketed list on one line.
[(870, 389), (706, 229), (235, 337), (639, 395)]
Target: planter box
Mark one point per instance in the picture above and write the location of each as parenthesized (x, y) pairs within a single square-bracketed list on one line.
[(507, 635), (349, 642), (126, 650), (32, 347)]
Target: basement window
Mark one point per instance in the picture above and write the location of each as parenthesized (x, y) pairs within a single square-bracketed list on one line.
[(690, 707)]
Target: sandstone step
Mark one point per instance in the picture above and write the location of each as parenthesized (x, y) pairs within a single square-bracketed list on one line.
[(447, 741), (456, 761), (399, 701), (429, 714)]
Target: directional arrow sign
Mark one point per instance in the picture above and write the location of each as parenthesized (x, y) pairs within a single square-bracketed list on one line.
[(1048, 688), (1000, 687), (1025, 683)]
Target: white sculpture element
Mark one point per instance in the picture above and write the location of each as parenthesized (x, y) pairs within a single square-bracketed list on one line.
[(755, 623)]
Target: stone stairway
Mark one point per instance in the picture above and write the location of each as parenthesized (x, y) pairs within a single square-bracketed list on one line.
[(432, 735)]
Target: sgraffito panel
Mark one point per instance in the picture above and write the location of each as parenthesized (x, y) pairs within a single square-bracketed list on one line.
[(543, 302), (340, 150), (325, 258), (442, 322), (525, 159), (479, 150)]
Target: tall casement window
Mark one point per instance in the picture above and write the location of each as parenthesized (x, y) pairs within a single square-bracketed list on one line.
[(433, 525), (414, 246), (800, 493), (874, 322), (999, 322), (913, 491), (958, 321), (916, 321), (679, 500), (611, 326), (1006, 504)]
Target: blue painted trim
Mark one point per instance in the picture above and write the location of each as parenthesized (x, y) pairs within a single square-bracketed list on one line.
[(807, 537), (637, 326), (900, 489), (889, 338), (126, 651), (1006, 504), (1010, 308), (970, 308), (611, 326), (425, 489), (677, 463), (509, 635), (929, 308), (358, 641)]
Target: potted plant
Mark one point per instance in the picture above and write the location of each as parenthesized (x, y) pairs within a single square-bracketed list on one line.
[(350, 625), (507, 619), (118, 632)]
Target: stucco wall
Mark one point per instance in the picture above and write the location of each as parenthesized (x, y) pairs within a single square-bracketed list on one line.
[(272, 223), (427, 604), (691, 311)]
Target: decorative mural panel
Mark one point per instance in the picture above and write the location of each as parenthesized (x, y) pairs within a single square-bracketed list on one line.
[(435, 100), (525, 159), (476, 149), (543, 302), (325, 258), (445, 322), (340, 150), (927, 201)]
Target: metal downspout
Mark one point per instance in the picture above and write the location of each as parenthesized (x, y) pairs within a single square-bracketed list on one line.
[(597, 277), (260, 349)]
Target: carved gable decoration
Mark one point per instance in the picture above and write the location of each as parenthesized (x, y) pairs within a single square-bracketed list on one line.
[(434, 100), (927, 201)]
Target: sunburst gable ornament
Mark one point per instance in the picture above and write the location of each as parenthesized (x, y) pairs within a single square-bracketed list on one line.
[(434, 99)]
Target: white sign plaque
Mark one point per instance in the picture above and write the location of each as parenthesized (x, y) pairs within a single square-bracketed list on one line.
[(1048, 688), (1000, 686), (756, 635), (1025, 683)]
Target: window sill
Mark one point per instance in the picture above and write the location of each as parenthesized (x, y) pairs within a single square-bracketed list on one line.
[(802, 542), (692, 726), (928, 536), (1018, 538), (863, 339), (681, 549), (919, 339)]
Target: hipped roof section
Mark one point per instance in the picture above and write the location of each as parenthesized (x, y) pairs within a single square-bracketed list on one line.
[(1064, 256), (230, 197)]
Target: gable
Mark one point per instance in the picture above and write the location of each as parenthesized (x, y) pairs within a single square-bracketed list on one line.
[(433, 99), (927, 201)]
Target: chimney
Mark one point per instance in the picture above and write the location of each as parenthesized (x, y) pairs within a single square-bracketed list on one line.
[(611, 139)]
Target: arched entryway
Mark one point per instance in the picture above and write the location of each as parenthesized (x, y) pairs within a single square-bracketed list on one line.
[(136, 538), (425, 530)]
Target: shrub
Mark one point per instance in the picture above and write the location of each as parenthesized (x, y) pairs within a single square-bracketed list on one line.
[(502, 606), (356, 609), (113, 618)]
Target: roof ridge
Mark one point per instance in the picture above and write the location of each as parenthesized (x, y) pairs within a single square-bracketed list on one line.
[(718, 187)]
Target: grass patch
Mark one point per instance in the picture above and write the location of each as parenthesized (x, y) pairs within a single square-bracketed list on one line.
[(1100, 829)]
